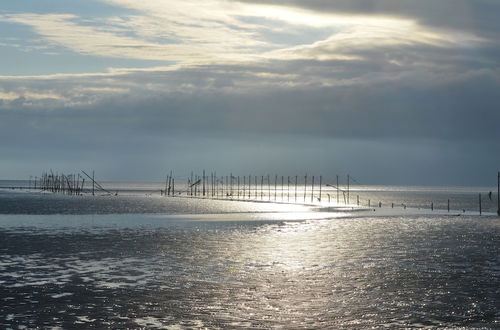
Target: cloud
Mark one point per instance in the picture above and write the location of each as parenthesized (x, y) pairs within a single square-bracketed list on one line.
[(477, 17), (201, 32), (260, 75), (320, 98)]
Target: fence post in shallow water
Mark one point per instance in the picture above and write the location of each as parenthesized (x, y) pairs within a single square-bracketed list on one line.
[(282, 185), (296, 188), (249, 186), (480, 206), (203, 192), (320, 183), (498, 194), (312, 190), (432, 206), (268, 187), (275, 185), (256, 187), (448, 205), (305, 187), (348, 197), (261, 187), (338, 200)]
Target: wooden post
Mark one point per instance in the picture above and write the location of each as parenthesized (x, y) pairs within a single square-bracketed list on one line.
[(480, 206), (244, 184), (196, 185), (305, 187), (262, 187), (498, 194), (275, 185), (203, 183), (432, 206), (296, 177), (268, 187), (282, 185), (357, 198), (348, 199), (191, 185), (320, 183), (238, 187), (448, 205), (312, 190), (288, 188), (93, 183), (338, 201), (256, 187), (173, 187)]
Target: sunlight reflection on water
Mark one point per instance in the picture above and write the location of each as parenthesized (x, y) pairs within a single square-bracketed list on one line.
[(346, 272), (249, 265)]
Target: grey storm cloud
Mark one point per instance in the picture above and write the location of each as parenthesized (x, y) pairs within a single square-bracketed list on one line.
[(392, 104)]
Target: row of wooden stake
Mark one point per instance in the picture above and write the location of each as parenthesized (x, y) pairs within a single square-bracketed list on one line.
[(257, 188)]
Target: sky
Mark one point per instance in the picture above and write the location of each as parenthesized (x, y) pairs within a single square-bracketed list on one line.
[(388, 91)]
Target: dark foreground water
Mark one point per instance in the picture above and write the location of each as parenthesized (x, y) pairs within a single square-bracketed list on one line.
[(231, 267)]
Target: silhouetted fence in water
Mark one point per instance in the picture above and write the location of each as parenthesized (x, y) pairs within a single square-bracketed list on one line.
[(70, 184), (305, 189)]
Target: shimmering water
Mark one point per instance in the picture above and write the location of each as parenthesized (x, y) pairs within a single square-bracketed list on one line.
[(146, 261)]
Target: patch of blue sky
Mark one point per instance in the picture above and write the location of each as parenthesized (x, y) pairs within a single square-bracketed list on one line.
[(89, 8), (15, 32), (18, 62)]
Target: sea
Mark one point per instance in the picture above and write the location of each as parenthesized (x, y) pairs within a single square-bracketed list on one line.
[(258, 258)]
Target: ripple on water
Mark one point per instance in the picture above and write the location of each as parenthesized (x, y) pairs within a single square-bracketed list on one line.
[(341, 272)]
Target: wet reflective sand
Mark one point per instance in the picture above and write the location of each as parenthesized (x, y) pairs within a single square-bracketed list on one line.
[(136, 270)]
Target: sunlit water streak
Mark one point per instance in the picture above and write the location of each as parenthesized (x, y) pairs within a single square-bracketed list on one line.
[(200, 263)]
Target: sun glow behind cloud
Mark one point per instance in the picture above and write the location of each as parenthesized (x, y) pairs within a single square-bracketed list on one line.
[(201, 32)]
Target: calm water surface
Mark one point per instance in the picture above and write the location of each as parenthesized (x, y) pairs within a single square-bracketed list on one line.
[(242, 265)]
